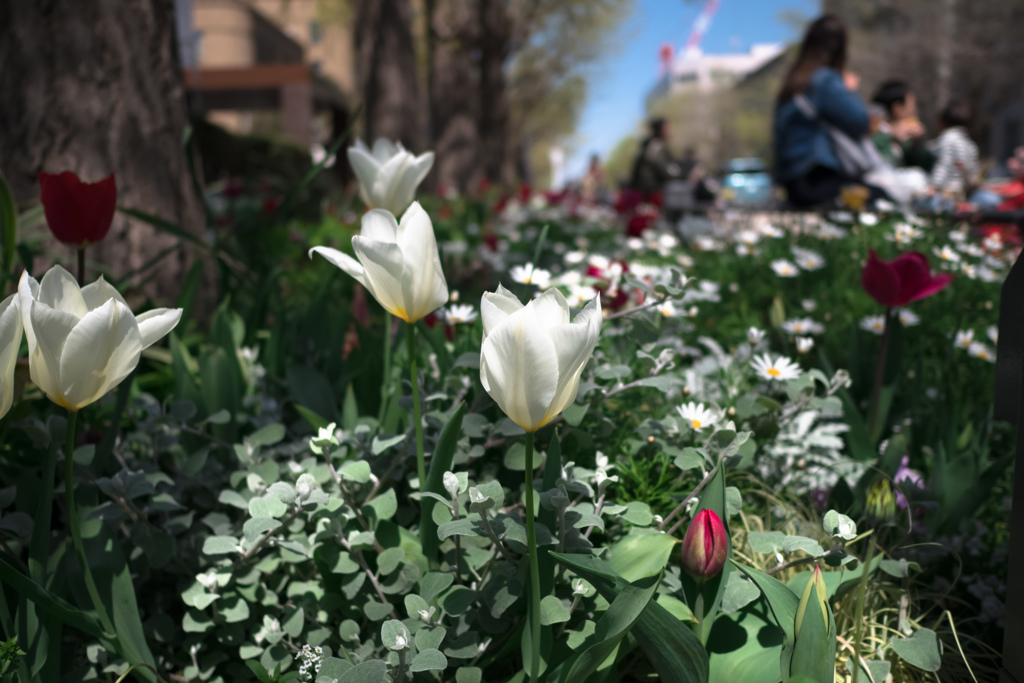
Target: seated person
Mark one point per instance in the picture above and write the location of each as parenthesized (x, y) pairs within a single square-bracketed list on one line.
[(900, 137), (956, 164)]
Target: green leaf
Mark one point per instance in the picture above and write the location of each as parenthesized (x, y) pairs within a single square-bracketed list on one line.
[(267, 506), (468, 674), (395, 635), (433, 583), (638, 513), (739, 592), (220, 545), (373, 671), (639, 555), (383, 506), (429, 660), (380, 445), (262, 675), (440, 462), (837, 524), (552, 611), (8, 229), (746, 646), (671, 647), (267, 436), (923, 649), (613, 626), (783, 604), (355, 470), (689, 459)]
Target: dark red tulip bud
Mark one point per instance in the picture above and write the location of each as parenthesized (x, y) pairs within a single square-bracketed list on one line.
[(78, 213), (705, 546)]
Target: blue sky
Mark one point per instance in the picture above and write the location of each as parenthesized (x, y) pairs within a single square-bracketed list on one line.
[(618, 85)]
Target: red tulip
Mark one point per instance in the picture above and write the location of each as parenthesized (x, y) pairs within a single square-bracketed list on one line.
[(705, 546), (906, 278), (78, 213)]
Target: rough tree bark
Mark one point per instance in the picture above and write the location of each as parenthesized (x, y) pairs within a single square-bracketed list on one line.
[(386, 62), (495, 35), (95, 87), (456, 138)]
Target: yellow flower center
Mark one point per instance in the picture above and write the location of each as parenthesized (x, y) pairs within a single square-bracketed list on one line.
[(773, 372), (696, 424)]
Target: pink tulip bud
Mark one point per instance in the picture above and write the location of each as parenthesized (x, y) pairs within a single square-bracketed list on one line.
[(705, 546)]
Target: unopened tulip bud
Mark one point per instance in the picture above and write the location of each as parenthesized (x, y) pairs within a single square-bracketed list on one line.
[(881, 501), (815, 589), (705, 546)]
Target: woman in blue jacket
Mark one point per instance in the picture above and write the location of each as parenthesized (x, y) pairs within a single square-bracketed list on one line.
[(805, 161)]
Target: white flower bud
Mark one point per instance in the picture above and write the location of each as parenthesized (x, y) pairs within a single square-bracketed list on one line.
[(451, 483)]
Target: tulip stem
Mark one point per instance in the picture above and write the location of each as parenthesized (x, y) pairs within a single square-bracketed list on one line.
[(76, 534), (858, 609), (531, 541), (385, 385), (81, 266), (876, 391), (417, 416)]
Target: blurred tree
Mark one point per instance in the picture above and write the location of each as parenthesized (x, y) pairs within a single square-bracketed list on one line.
[(619, 165), (386, 62), (96, 88)]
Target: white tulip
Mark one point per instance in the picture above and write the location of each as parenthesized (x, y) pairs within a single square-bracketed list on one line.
[(532, 356), (388, 175), (10, 342), (83, 341), (398, 262)]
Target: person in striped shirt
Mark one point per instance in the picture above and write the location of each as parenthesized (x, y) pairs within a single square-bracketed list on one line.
[(956, 164)]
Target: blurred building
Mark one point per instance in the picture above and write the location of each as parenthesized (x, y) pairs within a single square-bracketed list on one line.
[(267, 66), (692, 70)]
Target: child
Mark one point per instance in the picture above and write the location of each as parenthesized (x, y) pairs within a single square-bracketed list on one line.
[(956, 165)]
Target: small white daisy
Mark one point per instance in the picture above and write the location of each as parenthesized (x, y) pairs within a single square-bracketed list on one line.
[(459, 313), (807, 259), (803, 326), (697, 415), (958, 236), (883, 205), (963, 339), (529, 275), (580, 296), (771, 231), (869, 219), (804, 344), (986, 274), (809, 305), (969, 270), (828, 231), (904, 233), (572, 258), (781, 368), (784, 268), (667, 309), (947, 253), (754, 336), (907, 317), (993, 242), (873, 323), (982, 351), (993, 334), (841, 216), (748, 237)]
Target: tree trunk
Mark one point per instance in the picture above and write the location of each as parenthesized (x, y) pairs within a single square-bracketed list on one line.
[(386, 58), (453, 113), (495, 33), (95, 88)]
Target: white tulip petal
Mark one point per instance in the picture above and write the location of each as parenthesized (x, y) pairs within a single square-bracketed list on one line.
[(415, 170), (28, 291), (385, 188), (496, 306), (10, 342), (343, 261), (575, 344), (360, 145), (384, 149), (551, 309), (59, 290), (99, 293), (382, 263), (52, 328), (519, 369), (423, 285), (155, 324), (101, 350), (364, 166), (380, 225)]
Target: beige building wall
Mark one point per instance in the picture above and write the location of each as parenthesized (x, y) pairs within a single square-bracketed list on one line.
[(227, 34), (324, 29)]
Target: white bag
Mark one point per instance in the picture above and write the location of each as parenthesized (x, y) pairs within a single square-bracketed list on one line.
[(857, 157)]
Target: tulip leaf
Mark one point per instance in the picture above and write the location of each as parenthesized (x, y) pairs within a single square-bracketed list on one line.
[(746, 646), (814, 652), (783, 604), (440, 462), (639, 555), (739, 592), (671, 647)]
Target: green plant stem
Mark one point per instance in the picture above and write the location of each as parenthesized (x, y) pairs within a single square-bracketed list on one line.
[(76, 533), (531, 541), (417, 416), (81, 266), (385, 393), (876, 391), (858, 610)]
